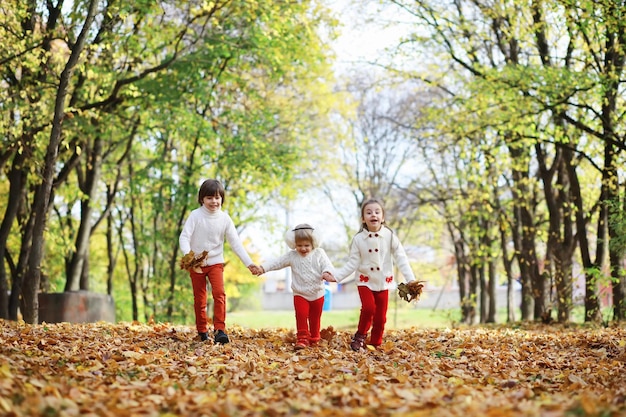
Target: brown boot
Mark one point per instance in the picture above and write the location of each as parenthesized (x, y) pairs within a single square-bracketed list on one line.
[(358, 341)]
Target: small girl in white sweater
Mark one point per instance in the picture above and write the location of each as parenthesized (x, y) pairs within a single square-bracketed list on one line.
[(310, 266)]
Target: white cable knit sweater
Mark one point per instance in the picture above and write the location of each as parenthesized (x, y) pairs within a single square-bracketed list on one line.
[(306, 271), (204, 230)]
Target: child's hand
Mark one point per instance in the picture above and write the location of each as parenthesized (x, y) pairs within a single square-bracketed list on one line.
[(255, 270), (328, 277)]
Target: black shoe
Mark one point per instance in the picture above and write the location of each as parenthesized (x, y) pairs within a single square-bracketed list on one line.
[(221, 337), (203, 336)]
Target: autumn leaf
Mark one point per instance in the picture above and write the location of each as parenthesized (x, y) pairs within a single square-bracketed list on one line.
[(190, 261), (158, 369), (410, 291)]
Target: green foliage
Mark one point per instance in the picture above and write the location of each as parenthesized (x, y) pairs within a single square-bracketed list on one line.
[(617, 218), (167, 94), (164, 96)]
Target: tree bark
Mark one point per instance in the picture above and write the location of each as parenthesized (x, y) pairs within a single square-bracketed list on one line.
[(78, 264), (492, 284), (17, 189), (508, 269), (524, 231), (41, 201)]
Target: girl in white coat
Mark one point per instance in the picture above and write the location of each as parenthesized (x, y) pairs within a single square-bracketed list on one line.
[(372, 251)]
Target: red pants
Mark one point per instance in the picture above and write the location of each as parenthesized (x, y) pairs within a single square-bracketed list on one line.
[(373, 313), (308, 318), (215, 276)]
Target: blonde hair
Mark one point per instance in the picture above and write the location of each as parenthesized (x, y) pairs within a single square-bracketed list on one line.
[(302, 231)]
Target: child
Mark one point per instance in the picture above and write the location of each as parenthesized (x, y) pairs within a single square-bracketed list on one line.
[(309, 266), (205, 230), (371, 253)]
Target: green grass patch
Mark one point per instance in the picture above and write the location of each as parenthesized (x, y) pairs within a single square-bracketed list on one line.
[(398, 317), (345, 319)]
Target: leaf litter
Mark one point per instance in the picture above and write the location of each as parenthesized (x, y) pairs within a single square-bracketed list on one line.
[(132, 369)]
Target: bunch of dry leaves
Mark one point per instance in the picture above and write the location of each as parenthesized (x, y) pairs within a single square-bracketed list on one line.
[(163, 370), (191, 261), (410, 291)]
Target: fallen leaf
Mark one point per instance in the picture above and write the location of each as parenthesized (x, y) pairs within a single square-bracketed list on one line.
[(161, 370)]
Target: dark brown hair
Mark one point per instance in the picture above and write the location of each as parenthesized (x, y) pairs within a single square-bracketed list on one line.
[(211, 188)]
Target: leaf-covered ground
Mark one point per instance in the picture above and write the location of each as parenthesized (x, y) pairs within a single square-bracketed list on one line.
[(162, 370)]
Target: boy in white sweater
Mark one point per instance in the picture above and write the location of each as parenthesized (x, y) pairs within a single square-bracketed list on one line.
[(310, 266), (205, 229)]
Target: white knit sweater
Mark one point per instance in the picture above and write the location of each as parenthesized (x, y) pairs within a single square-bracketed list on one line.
[(306, 271), (204, 230)]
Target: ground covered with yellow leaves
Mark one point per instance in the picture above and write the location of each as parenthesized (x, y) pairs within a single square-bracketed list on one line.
[(163, 370)]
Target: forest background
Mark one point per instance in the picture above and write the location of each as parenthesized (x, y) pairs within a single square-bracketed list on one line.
[(494, 132)]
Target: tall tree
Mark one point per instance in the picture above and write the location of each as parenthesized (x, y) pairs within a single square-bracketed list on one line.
[(41, 199), (228, 68), (546, 76)]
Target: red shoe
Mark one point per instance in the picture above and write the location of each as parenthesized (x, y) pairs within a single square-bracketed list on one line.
[(302, 344)]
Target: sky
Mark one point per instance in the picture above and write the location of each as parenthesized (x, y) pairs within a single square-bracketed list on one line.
[(361, 42), (364, 39)]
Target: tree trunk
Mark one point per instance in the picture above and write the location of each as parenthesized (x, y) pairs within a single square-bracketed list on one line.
[(592, 304), (483, 294), (616, 256), (111, 253), (463, 274), (473, 294), (492, 284), (78, 257), (563, 283), (510, 280), (41, 199), (172, 284), (618, 290), (134, 297), (79, 265), (561, 240), (524, 232), (17, 188)]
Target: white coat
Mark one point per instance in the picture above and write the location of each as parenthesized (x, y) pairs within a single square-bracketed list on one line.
[(371, 258)]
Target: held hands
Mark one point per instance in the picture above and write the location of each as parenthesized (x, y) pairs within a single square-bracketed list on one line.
[(328, 277), (256, 270)]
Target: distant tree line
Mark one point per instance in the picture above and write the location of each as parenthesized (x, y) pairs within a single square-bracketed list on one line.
[(522, 146)]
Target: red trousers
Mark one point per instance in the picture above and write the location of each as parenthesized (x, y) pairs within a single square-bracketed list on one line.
[(215, 276), (373, 313), (308, 318)]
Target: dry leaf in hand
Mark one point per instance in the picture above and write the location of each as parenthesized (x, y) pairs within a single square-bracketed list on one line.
[(190, 261), (410, 291)]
